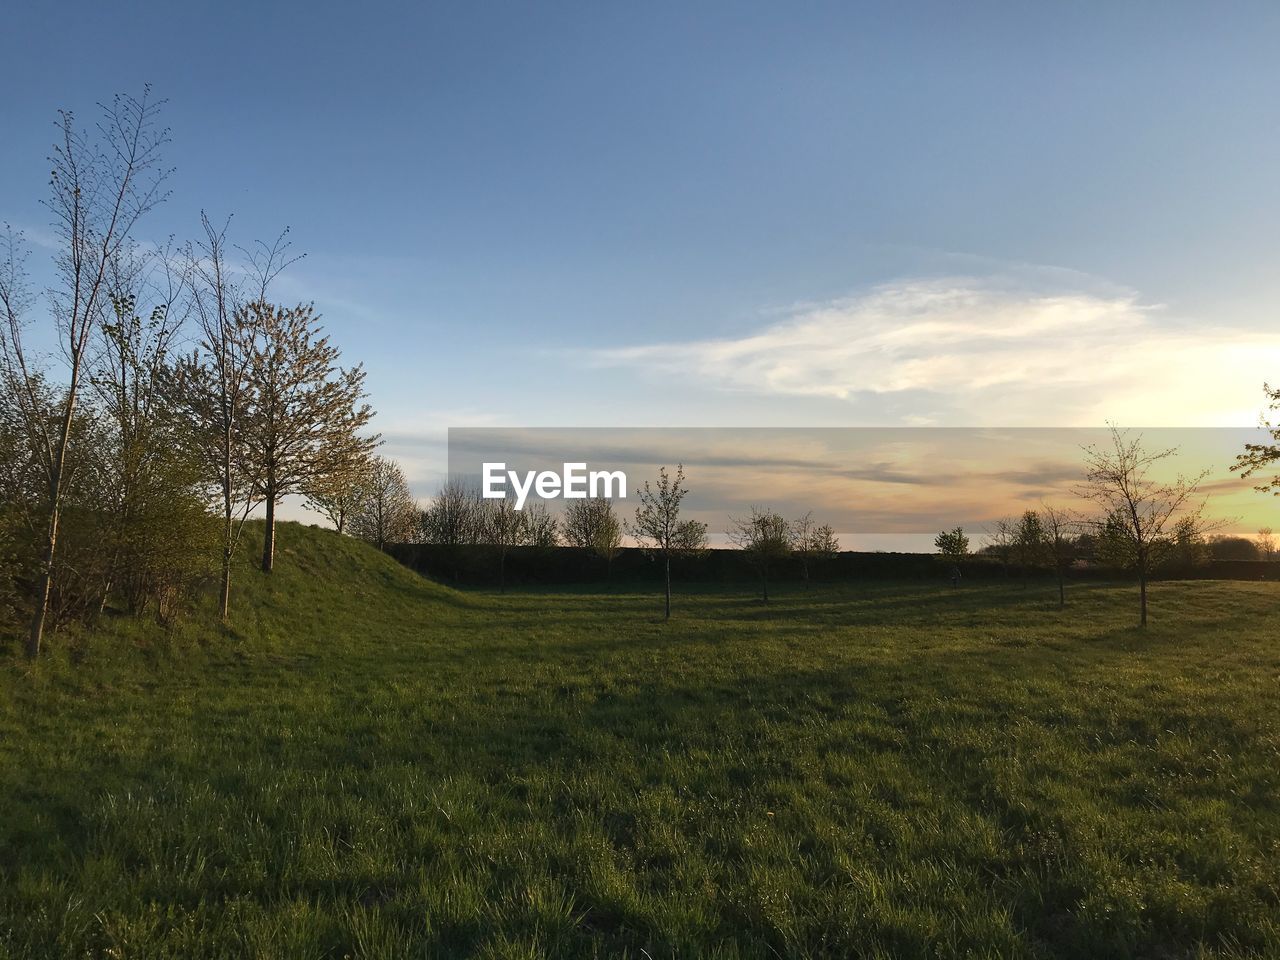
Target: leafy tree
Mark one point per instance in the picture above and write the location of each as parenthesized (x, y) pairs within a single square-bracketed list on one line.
[(157, 544), (1261, 456), (591, 524), (607, 538), (100, 189), (1221, 547), (1030, 542), (1140, 512), (340, 494), (766, 538), (307, 416), (952, 544), (658, 526), (1187, 545), (387, 512)]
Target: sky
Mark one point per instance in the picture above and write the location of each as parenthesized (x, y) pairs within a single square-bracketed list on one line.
[(714, 214)]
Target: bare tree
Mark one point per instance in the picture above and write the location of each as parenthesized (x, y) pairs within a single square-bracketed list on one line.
[(658, 525), (541, 528), (1260, 456), (307, 415), (388, 512), (503, 527), (1266, 543), (453, 517), (1141, 512), (217, 388), (812, 542), (1001, 539), (100, 188), (766, 538), (1059, 525)]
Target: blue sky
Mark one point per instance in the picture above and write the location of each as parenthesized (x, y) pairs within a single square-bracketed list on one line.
[(706, 214)]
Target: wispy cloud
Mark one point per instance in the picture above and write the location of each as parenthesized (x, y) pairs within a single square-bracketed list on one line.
[(985, 351)]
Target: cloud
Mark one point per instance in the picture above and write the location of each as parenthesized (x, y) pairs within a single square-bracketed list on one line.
[(981, 351)]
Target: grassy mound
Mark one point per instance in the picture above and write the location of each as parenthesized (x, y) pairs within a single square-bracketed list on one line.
[(368, 764)]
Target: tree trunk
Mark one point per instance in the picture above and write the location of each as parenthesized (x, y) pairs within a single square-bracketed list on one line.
[(1142, 595), (224, 585), (42, 590), (1062, 590), (764, 585), (667, 613), (45, 582), (502, 571), (269, 539)]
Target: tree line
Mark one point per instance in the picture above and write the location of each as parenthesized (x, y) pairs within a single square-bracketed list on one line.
[(1143, 523)]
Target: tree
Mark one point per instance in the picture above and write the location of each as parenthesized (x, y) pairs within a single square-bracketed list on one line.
[(542, 530), (100, 189), (952, 544), (387, 512), (1059, 524), (591, 524), (340, 494), (453, 518), (1187, 546), (1029, 542), (1222, 547), (216, 387), (1266, 543), (1140, 512), (658, 525), (766, 538), (1261, 456), (155, 541), (811, 543), (502, 526), (607, 540), (306, 417), (1002, 537)]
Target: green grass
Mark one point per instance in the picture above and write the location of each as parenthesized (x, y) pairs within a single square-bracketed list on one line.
[(371, 765)]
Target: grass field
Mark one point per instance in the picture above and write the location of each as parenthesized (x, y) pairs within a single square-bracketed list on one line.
[(371, 765)]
